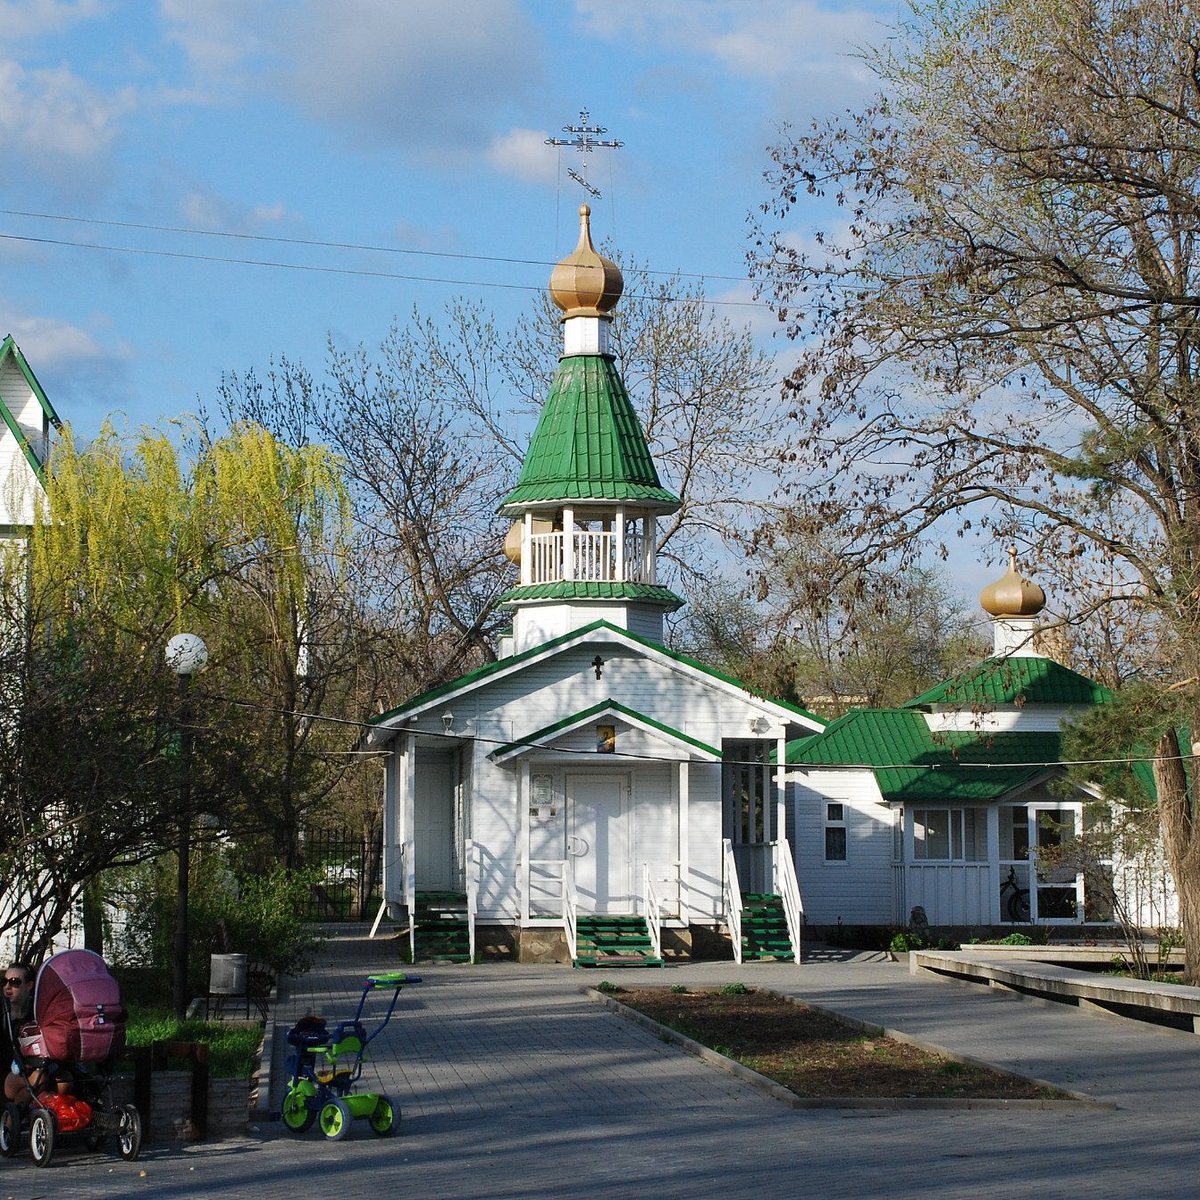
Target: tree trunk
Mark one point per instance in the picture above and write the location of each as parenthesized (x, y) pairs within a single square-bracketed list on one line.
[(91, 904), (1182, 845)]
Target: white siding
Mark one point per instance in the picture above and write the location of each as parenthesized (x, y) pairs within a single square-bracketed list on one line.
[(858, 891)]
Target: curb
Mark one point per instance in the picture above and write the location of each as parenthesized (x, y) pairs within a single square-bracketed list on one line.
[(785, 1096)]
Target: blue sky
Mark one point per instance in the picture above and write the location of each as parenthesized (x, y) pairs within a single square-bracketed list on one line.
[(416, 125)]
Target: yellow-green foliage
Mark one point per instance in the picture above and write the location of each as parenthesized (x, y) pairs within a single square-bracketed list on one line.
[(142, 538)]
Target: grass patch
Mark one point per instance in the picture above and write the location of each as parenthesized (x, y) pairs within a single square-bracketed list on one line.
[(814, 1053), (232, 1045)]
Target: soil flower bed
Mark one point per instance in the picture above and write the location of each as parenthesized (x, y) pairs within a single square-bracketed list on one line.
[(812, 1052)]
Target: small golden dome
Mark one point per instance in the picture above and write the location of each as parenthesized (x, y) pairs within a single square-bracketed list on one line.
[(1012, 595), (585, 283)]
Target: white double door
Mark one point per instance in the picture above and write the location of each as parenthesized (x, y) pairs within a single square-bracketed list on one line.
[(598, 841)]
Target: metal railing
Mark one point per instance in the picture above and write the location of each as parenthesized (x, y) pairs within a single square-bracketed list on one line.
[(732, 899), (653, 910), (788, 887), (471, 855)]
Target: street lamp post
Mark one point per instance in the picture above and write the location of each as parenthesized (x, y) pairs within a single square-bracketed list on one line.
[(186, 654)]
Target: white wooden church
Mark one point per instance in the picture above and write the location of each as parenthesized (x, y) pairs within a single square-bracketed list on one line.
[(594, 796)]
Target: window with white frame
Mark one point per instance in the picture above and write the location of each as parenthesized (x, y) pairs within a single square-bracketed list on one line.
[(835, 831), (949, 835)]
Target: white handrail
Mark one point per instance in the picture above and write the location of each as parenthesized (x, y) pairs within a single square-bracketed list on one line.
[(570, 909), (653, 911), (407, 860), (788, 887), (732, 895), (472, 885)]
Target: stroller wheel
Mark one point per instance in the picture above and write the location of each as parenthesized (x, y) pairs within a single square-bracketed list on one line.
[(385, 1117), (10, 1129), (129, 1133), (41, 1137), (296, 1114), (335, 1120)]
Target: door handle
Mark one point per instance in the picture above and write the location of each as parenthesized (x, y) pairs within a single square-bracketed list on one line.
[(577, 846)]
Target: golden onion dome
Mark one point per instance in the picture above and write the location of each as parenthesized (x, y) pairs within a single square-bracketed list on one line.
[(1012, 595), (585, 283)]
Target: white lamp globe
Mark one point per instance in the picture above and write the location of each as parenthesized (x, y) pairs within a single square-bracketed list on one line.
[(186, 653)]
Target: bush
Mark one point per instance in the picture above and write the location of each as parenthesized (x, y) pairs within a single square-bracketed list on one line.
[(255, 915)]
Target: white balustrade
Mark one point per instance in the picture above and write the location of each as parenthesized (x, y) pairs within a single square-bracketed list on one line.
[(594, 557)]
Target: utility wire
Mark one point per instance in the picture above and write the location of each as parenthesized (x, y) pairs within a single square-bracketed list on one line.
[(277, 239)]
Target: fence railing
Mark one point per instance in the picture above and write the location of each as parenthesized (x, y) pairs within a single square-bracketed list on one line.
[(653, 910), (471, 882), (732, 899), (788, 887)]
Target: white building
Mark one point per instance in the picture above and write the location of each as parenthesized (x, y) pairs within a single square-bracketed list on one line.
[(592, 787)]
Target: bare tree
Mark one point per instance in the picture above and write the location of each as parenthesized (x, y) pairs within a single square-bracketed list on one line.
[(1003, 336)]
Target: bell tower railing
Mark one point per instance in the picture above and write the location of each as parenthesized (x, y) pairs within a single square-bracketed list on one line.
[(589, 556)]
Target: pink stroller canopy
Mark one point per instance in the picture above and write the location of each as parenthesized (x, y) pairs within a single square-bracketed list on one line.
[(77, 1004)]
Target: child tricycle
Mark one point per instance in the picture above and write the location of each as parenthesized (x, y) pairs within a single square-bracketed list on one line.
[(325, 1064)]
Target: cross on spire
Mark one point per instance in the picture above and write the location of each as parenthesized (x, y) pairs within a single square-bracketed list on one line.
[(585, 138)]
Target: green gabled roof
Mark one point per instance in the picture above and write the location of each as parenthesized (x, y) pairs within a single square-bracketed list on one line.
[(567, 589), (912, 763), (480, 674), (540, 736), (589, 443), (10, 349), (1014, 680)]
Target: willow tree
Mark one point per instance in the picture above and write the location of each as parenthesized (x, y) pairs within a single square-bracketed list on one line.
[(237, 539), (1000, 328)]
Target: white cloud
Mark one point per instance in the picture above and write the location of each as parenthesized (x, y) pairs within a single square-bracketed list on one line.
[(206, 210), (804, 49), (34, 18), (55, 125), (524, 155), (219, 37), (51, 344), (423, 74)]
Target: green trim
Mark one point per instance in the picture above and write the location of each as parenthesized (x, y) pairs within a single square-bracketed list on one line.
[(588, 444), (573, 589), (1014, 680), (480, 674), (539, 737), (10, 349)]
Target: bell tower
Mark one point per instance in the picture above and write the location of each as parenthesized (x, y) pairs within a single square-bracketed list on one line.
[(586, 506)]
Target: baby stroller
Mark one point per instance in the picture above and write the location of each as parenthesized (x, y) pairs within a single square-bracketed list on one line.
[(325, 1064), (64, 1057)]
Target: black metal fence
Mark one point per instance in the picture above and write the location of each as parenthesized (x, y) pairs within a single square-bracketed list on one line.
[(350, 875)]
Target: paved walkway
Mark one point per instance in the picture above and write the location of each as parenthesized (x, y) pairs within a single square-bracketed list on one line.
[(513, 1084)]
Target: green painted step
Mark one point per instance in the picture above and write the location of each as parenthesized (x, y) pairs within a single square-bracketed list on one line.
[(614, 942), (441, 932), (764, 929)]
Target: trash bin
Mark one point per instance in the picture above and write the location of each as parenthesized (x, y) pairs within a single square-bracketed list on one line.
[(227, 975)]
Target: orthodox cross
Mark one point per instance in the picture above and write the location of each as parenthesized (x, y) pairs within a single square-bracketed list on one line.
[(585, 138)]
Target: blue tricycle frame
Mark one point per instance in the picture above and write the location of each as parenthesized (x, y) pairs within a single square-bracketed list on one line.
[(325, 1064)]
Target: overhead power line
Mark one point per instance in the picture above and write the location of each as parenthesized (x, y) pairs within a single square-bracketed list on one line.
[(314, 243)]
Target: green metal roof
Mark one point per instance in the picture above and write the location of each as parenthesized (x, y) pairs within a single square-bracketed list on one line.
[(912, 763), (10, 349), (1014, 680), (480, 674), (589, 443), (567, 589), (539, 737)]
